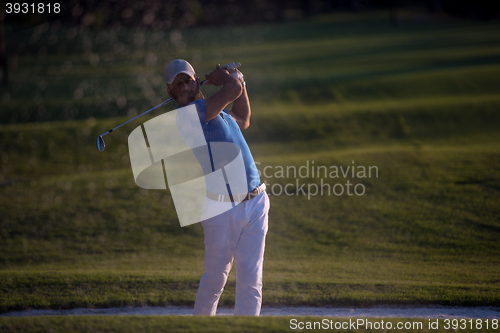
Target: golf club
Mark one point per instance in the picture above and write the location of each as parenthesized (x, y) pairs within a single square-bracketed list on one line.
[(100, 141)]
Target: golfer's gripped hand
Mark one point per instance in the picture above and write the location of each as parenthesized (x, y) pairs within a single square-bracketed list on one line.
[(218, 76), (232, 68)]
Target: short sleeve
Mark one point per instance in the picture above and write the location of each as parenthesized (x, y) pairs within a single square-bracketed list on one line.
[(200, 106)]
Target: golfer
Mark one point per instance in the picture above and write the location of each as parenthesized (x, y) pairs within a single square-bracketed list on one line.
[(239, 233)]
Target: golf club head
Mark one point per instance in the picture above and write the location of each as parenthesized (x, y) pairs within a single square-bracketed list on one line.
[(100, 143)]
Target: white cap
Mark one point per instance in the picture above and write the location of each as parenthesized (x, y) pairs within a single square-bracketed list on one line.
[(176, 67)]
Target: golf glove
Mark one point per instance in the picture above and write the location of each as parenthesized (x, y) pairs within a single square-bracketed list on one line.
[(232, 68)]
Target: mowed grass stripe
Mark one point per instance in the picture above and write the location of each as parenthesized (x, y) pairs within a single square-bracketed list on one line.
[(368, 151), (64, 290), (329, 57)]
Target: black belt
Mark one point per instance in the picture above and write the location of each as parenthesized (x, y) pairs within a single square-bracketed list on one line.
[(238, 197)]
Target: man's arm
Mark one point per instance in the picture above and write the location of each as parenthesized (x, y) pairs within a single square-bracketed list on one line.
[(230, 91), (241, 110)]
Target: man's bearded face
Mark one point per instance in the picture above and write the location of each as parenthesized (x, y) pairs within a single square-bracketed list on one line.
[(184, 89)]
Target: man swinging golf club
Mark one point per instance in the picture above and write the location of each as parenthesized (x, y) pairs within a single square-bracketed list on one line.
[(238, 233)]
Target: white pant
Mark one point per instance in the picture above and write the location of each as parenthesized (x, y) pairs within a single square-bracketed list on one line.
[(238, 233)]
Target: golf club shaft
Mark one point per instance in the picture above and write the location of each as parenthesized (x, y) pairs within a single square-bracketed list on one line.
[(100, 141), (111, 130), (167, 101)]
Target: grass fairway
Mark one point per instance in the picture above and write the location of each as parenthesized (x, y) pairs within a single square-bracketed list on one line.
[(418, 103)]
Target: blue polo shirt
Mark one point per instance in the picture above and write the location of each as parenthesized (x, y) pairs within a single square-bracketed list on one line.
[(224, 128)]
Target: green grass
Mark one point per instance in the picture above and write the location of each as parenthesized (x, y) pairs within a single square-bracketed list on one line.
[(66, 290), (420, 102), (312, 61)]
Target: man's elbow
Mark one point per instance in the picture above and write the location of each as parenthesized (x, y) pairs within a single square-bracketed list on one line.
[(244, 125)]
